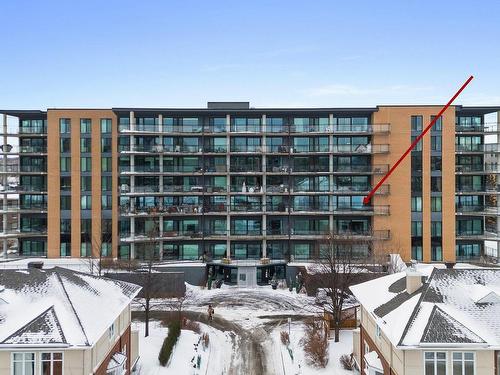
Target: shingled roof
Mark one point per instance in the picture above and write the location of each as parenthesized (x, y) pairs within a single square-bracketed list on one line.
[(453, 306), (58, 306)]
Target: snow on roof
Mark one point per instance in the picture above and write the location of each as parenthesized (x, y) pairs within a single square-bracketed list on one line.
[(454, 306), (59, 306)]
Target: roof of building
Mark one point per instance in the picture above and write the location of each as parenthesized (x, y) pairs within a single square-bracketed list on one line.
[(58, 306), (452, 307)]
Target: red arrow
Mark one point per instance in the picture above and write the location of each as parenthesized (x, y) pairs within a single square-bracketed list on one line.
[(366, 199)]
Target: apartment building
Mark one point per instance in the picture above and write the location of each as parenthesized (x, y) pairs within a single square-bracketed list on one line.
[(429, 321), (234, 182)]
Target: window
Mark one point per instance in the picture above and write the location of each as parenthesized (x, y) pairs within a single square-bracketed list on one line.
[(86, 183), (106, 164), (106, 183), (86, 202), (416, 204), (416, 123), (85, 124), (23, 363), (435, 363), (436, 203), (65, 144), (105, 125), (85, 145), (435, 163), (416, 228), (65, 202), (65, 164), (64, 126), (106, 144), (436, 228), (436, 143), (436, 184), (106, 202), (463, 363), (52, 363), (378, 333), (85, 164), (111, 331), (65, 184)]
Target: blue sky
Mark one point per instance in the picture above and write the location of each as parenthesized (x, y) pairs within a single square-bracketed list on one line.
[(104, 53)]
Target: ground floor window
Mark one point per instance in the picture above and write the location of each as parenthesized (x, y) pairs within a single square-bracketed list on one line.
[(23, 363), (52, 363), (435, 363), (463, 363)]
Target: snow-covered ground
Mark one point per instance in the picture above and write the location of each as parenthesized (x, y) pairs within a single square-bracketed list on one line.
[(213, 360), (244, 336), (281, 362)]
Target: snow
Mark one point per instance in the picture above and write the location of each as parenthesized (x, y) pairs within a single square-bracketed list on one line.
[(214, 360), (280, 361), (373, 361)]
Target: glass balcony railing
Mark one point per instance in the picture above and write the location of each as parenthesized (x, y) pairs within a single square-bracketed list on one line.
[(309, 148), (32, 130), (376, 168), (245, 168), (361, 149), (478, 128), (246, 148), (476, 209), (246, 232), (489, 147), (216, 149), (246, 207)]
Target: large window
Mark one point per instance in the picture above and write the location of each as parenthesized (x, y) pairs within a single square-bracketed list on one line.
[(85, 164), (105, 125), (416, 204), (65, 164), (23, 363), (52, 363), (463, 363), (435, 363), (64, 126), (85, 125)]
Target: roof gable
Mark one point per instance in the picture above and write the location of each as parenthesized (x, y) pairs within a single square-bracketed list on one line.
[(444, 329), (44, 329)]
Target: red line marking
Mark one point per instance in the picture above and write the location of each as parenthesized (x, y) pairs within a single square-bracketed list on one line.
[(366, 199)]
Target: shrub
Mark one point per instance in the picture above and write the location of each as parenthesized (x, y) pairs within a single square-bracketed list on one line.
[(205, 340), (191, 325), (285, 338), (174, 331), (316, 343), (347, 362)]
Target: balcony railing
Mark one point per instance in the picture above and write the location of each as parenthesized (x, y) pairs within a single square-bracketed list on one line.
[(247, 232), (33, 168), (246, 189), (489, 147), (216, 149), (476, 188), (33, 149), (477, 209), (478, 128), (376, 168), (246, 207), (247, 148), (361, 149), (378, 209), (357, 188), (309, 148), (245, 168)]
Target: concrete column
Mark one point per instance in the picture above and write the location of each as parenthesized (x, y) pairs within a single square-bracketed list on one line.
[(4, 183), (132, 120), (228, 183), (330, 168)]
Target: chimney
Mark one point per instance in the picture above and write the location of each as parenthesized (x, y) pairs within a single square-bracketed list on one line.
[(413, 280)]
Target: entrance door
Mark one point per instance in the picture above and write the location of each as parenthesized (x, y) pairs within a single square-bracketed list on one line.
[(247, 277)]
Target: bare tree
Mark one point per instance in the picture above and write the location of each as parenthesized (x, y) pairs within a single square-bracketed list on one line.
[(340, 265), (149, 288), (99, 251)]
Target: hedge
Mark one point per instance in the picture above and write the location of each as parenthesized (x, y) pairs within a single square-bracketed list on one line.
[(174, 331)]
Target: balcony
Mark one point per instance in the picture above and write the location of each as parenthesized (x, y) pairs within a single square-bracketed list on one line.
[(246, 149), (478, 148), (361, 149), (30, 131), (362, 234), (476, 210), (245, 128), (364, 169), (304, 149), (310, 168), (279, 149), (369, 129), (488, 188), (246, 232), (246, 189), (245, 169), (478, 128), (215, 149), (246, 207), (361, 208), (360, 189), (309, 208)]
